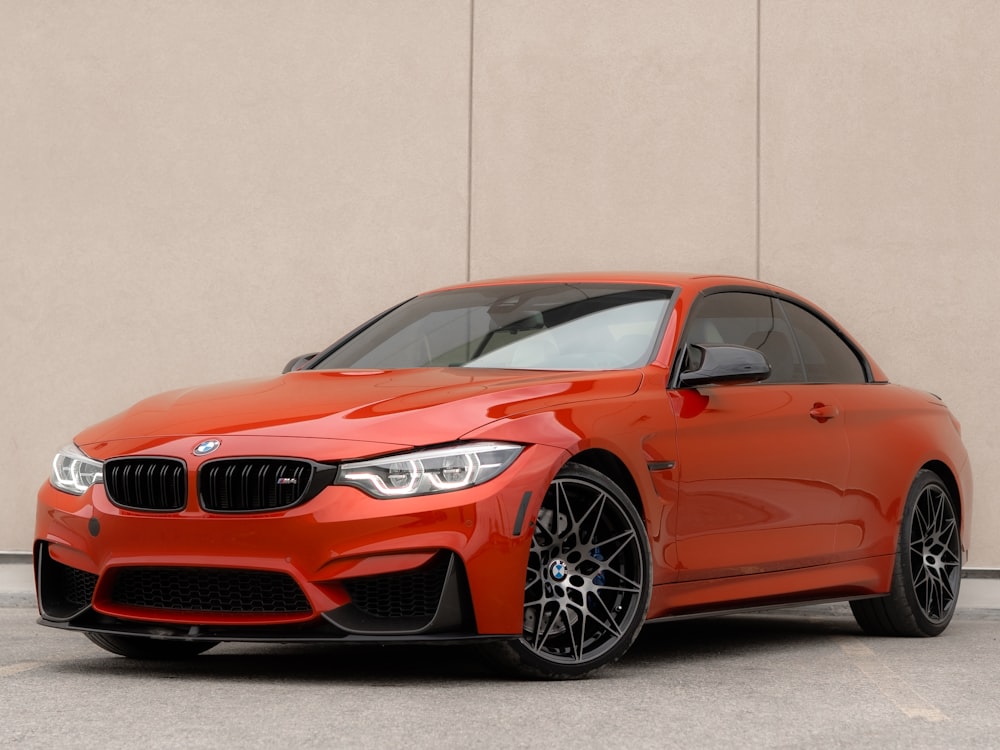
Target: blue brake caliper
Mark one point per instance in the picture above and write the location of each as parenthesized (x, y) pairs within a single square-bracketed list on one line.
[(596, 554)]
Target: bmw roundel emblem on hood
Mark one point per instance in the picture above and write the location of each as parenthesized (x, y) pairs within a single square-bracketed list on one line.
[(205, 447)]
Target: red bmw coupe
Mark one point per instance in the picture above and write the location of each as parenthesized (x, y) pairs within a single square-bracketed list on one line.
[(538, 464)]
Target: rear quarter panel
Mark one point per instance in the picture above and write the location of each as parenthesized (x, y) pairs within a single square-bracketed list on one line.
[(894, 432)]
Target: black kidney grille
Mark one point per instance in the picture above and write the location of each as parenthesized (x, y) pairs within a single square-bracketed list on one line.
[(411, 594), (253, 484), (146, 483), (209, 590)]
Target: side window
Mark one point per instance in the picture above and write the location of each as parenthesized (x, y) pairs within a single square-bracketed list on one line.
[(827, 357), (752, 320)]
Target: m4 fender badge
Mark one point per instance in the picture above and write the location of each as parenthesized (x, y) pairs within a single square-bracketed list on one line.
[(206, 446)]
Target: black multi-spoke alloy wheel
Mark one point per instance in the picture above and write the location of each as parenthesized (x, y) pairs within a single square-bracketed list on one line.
[(138, 647), (928, 567), (587, 587)]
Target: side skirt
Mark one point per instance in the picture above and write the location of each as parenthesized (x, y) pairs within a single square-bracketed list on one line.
[(855, 579)]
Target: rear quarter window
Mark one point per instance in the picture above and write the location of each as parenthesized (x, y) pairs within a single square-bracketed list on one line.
[(826, 356)]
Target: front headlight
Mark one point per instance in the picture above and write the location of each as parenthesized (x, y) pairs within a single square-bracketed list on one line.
[(74, 472), (429, 471)]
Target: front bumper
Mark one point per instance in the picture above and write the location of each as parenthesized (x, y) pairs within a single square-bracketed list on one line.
[(341, 566)]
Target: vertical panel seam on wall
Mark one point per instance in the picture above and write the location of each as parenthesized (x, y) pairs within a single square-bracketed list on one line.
[(757, 166), (468, 189)]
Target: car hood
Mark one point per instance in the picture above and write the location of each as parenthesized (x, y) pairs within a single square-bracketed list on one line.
[(370, 410)]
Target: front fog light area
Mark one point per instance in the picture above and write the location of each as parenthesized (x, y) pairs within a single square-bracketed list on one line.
[(430, 471), (74, 472)]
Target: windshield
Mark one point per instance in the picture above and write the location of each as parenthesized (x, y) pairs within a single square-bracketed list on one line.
[(517, 326)]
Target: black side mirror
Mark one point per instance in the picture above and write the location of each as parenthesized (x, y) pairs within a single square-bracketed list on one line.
[(709, 364), (299, 362)]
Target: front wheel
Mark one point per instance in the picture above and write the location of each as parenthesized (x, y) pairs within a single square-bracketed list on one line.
[(587, 586), (139, 647), (928, 567)]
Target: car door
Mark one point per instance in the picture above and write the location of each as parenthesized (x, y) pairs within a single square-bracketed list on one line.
[(864, 409), (762, 467)]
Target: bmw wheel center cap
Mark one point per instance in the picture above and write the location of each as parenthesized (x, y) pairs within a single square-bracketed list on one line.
[(558, 570), (206, 446)]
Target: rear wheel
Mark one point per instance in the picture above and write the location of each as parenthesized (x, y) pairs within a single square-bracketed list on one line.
[(139, 647), (587, 586), (928, 567)]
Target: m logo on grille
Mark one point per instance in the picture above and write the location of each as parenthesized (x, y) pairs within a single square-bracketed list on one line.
[(287, 480)]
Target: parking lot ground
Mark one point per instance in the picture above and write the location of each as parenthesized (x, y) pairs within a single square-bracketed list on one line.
[(791, 678)]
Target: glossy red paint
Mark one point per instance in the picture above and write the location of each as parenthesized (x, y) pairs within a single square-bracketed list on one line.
[(751, 493)]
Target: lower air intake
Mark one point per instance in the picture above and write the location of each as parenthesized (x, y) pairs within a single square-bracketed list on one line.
[(63, 591), (413, 594), (209, 590)]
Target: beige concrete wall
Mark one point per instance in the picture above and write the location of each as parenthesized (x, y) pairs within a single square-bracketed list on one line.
[(614, 135), (197, 191)]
